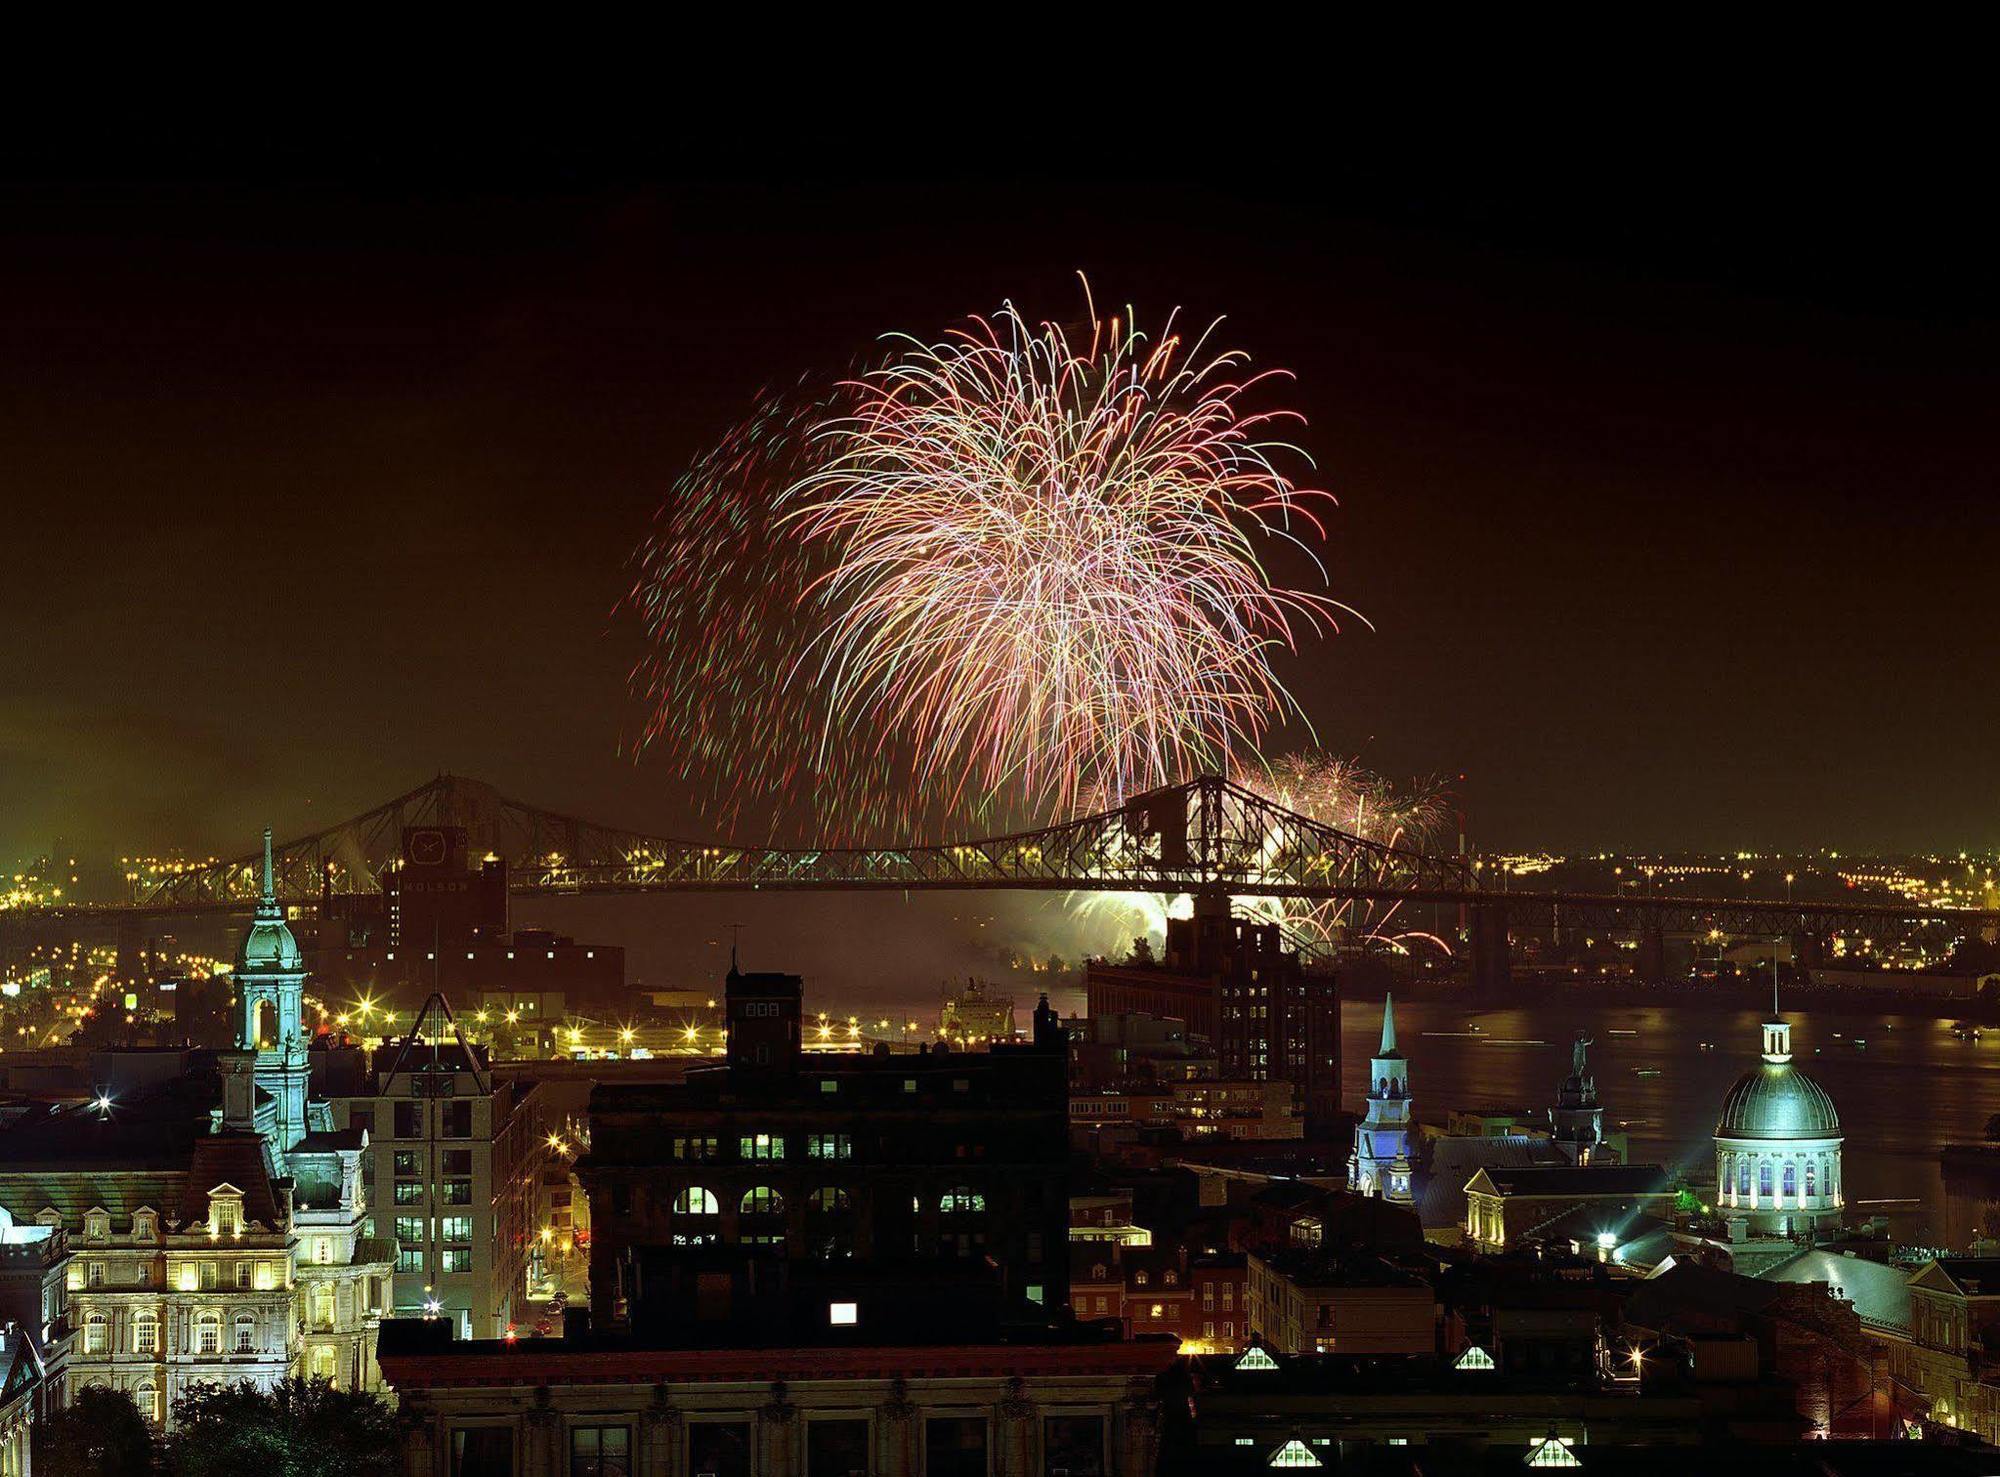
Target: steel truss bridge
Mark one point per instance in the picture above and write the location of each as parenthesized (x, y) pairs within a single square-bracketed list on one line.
[(1208, 837)]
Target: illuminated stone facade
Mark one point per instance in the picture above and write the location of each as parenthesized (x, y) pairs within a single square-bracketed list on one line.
[(186, 1223)]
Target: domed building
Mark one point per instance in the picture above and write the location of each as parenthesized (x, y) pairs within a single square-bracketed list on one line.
[(1777, 1145)]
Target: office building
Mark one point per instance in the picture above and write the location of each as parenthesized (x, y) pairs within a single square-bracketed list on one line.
[(452, 1171), (899, 1166), (1245, 995)]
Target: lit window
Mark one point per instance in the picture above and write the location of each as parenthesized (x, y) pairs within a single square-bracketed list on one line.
[(694, 1200), (96, 1334), (843, 1314)]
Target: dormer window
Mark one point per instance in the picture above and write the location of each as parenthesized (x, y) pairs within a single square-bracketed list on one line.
[(97, 1225), (145, 1225), (225, 1211)]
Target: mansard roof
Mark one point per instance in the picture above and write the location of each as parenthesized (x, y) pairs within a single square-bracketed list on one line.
[(230, 1161)]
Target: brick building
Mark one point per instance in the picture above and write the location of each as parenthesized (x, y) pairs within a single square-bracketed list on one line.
[(889, 1164)]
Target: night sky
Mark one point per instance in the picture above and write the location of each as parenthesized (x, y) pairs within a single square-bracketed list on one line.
[(1667, 488)]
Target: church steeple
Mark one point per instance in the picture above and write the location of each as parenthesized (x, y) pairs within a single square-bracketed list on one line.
[(1380, 1163)]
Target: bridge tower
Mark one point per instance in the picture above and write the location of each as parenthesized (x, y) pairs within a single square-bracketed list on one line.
[(1492, 954), (270, 984), (1652, 948)]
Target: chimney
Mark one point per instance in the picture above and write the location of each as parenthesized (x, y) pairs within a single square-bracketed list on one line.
[(239, 1090)]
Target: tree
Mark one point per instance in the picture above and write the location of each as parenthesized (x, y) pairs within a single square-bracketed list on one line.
[(99, 1434), (297, 1428)]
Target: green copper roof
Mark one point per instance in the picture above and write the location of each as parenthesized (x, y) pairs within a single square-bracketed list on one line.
[(1775, 1100), (269, 944)]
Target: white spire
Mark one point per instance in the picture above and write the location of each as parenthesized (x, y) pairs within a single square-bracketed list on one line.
[(270, 884), (1388, 1025)]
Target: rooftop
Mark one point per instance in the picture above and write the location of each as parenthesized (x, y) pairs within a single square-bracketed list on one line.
[(1310, 1267), (1577, 1180), (1776, 1100), (1880, 1292)]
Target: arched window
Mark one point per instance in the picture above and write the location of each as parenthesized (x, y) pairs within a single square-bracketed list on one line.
[(1097, 1272), (322, 1362), (147, 1398), (961, 1200), (1171, 1277), (761, 1200), (246, 1333), (323, 1305), (827, 1200), (1764, 1178), (146, 1333), (1742, 1174), (1812, 1179), (208, 1333), (96, 1334), (1139, 1279), (694, 1200), (266, 1026), (1791, 1179)]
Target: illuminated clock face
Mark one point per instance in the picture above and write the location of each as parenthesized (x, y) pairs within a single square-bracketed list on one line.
[(427, 848)]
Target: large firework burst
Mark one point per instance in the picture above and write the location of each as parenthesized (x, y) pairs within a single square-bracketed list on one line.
[(1337, 792), (1341, 793), (1018, 571)]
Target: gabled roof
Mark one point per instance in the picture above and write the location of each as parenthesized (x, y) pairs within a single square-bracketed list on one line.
[(1880, 1293), (1972, 1276), (1454, 1160), (1688, 1287), (1572, 1180), (21, 1363)]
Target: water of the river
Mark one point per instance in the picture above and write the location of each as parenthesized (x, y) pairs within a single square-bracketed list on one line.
[(1913, 1087)]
